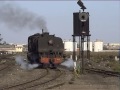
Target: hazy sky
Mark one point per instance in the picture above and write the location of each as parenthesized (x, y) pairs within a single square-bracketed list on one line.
[(104, 20)]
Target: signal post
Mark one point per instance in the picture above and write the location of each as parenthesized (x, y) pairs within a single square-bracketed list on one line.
[(81, 30)]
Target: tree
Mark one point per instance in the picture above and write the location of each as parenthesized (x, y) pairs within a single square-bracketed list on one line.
[(1, 39), (2, 42)]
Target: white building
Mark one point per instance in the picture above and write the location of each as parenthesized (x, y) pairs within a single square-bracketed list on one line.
[(114, 44), (90, 46), (19, 48), (13, 48), (68, 46), (98, 46)]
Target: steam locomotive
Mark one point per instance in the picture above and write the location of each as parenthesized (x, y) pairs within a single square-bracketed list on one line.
[(45, 49)]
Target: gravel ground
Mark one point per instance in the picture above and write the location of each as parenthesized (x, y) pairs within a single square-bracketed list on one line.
[(92, 82), (15, 75)]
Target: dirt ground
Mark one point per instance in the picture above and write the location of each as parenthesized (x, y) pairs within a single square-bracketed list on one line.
[(13, 75), (92, 82)]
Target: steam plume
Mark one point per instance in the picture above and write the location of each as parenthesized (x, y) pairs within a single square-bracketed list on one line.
[(15, 17), (24, 64), (68, 63)]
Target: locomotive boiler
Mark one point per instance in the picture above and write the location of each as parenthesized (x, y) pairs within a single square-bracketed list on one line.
[(45, 49)]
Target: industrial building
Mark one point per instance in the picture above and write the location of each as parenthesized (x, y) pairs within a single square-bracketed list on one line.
[(7, 49), (98, 46), (111, 46), (19, 48), (14, 48), (90, 46), (68, 46)]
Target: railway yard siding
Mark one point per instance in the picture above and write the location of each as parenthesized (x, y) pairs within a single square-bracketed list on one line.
[(15, 76)]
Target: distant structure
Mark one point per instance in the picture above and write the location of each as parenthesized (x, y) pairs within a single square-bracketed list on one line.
[(14, 48), (7, 49), (19, 48), (111, 46), (98, 46), (68, 46), (90, 46)]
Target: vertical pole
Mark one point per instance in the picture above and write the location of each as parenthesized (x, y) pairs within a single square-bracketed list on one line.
[(88, 47), (82, 47), (82, 54), (74, 53), (79, 56), (79, 48)]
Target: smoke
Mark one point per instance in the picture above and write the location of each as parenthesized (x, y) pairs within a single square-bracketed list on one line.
[(24, 64), (17, 18), (68, 63)]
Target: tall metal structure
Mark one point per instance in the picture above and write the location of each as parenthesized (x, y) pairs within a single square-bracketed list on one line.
[(81, 29)]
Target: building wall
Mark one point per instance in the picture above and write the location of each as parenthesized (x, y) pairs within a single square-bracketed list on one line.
[(7, 48), (12, 48), (114, 44), (98, 46), (111, 46), (90, 46), (68, 46), (19, 48)]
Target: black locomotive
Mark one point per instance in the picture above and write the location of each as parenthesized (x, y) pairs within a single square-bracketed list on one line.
[(45, 49)]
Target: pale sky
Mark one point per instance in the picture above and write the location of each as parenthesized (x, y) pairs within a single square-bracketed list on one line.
[(104, 20)]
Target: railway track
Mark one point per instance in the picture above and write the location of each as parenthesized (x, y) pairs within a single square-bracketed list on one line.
[(2, 63), (1, 69), (34, 82), (58, 73), (25, 83), (57, 83), (55, 86), (5, 66), (105, 72), (42, 80)]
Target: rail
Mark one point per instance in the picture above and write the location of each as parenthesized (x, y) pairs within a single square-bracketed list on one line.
[(100, 71)]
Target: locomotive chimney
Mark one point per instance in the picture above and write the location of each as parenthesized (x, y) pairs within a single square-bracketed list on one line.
[(42, 31)]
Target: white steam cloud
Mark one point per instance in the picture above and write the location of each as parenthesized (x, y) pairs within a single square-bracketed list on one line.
[(17, 18), (68, 63), (24, 64)]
